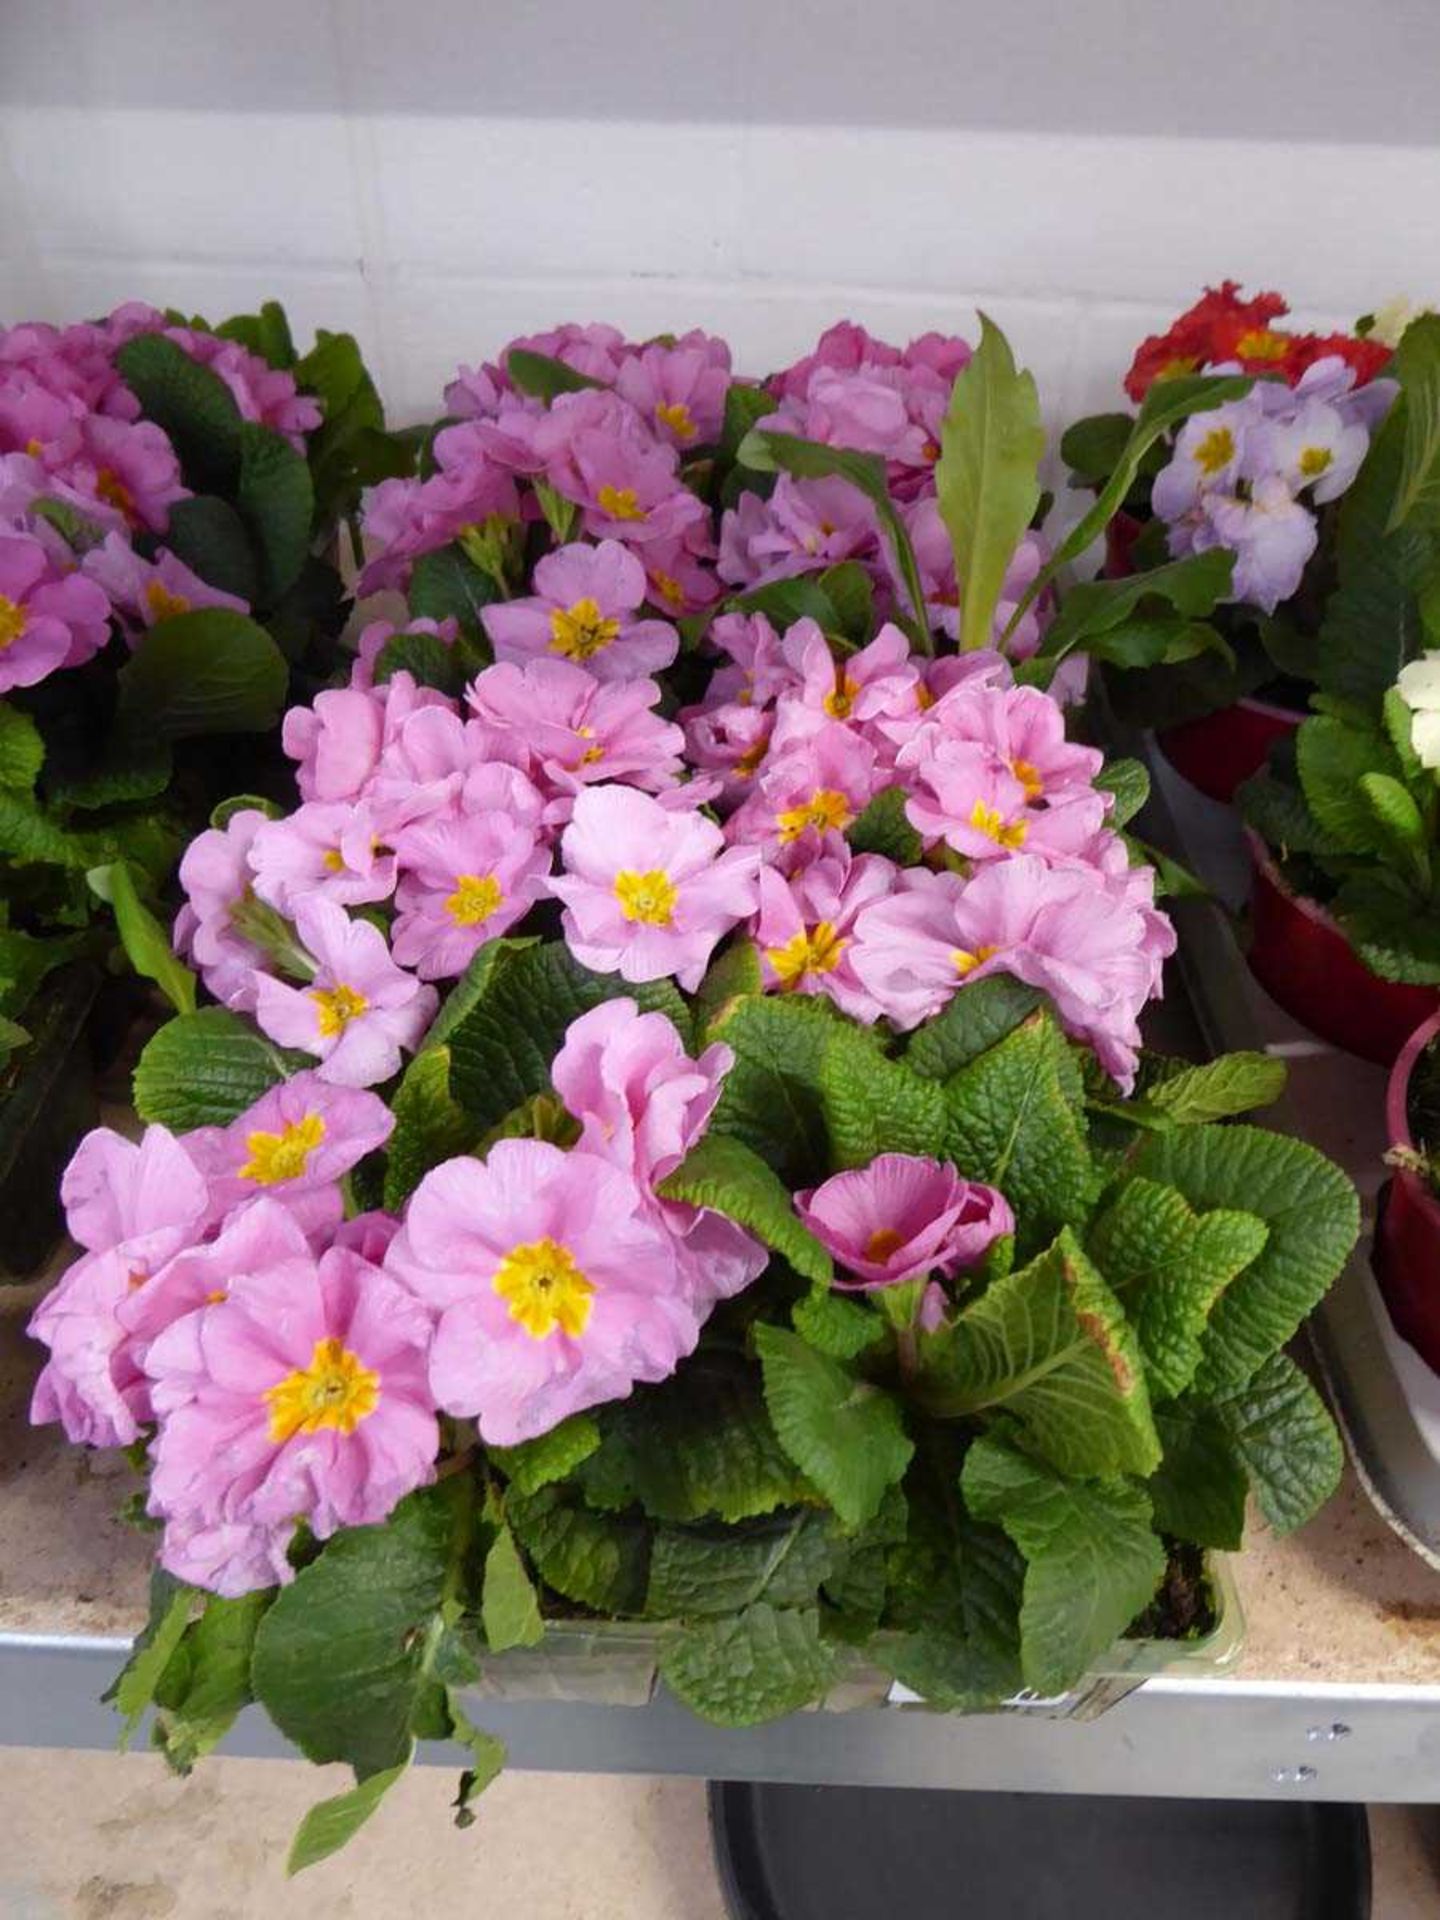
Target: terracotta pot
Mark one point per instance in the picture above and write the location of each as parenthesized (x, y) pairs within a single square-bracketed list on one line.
[(1407, 1234), (1305, 963), (1218, 751)]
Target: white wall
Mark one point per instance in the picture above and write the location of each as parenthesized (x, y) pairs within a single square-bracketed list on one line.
[(441, 174)]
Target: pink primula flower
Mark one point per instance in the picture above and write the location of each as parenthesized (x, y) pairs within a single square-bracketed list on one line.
[(143, 592), (360, 1010), (598, 452), (903, 1216), (263, 393), (584, 610), (302, 1395), (806, 927), (337, 741), (880, 680), (464, 882), (130, 466), (805, 525), (46, 620), (326, 850), (821, 785), (568, 730), (403, 518), (556, 1289), (679, 390), (649, 892), (218, 878)]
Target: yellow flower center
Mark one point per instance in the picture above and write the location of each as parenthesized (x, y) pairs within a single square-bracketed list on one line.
[(114, 492), (1181, 363), (1215, 451), (620, 503), (581, 631), (1262, 343), (826, 808), (476, 897), (667, 587), (676, 415), (749, 761), (163, 604), (649, 897), (334, 861), (815, 951), (34, 448), (924, 698), (841, 699), (966, 963), (545, 1289), (335, 1390), (1314, 461), (12, 622), (992, 823), (338, 1007), (1028, 774), (282, 1156), (882, 1243)]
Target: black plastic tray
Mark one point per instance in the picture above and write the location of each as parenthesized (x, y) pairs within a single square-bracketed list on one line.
[(847, 1853)]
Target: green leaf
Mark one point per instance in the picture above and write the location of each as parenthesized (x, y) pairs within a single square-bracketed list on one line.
[(509, 1610), (873, 1105), (752, 1666), (26, 959), (544, 378), (550, 1456), (212, 671), (987, 479), (722, 1173), (1333, 759), (208, 1680), (1400, 823), (1394, 931), (192, 404), (1278, 813), (171, 1605), (1170, 1265), (771, 1096), (266, 334), (883, 828), (594, 1559), (1094, 447), (847, 586), (146, 943), (701, 1445), (1092, 1560), (1049, 1345), (342, 1656), (446, 584), (1198, 1490), (277, 502), (430, 1127), (844, 1434), (1235, 1083), (833, 1324), (22, 751), (745, 407), (1310, 1208), (765, 451), (1416, 364), (487, 1761), (1107, 618), (1014, 1125), (29, 837), (204, 1069), (1281, 1430), (125, 770), (210, 537), (699, 1572), (428, 659), (1128, 783), (977, 1019), (733, 975), (330, 1824)]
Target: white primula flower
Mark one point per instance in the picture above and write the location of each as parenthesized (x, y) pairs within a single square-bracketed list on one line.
[(1393, 318), (1419, 687)]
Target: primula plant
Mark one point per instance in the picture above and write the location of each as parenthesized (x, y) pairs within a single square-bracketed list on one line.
[(1267, 433), (168, 493), (672, 1143)]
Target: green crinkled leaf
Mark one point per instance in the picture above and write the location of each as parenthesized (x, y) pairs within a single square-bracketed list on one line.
[(26, 959), (700, 1445), (126, 770), (955, 1589), (266, 334), (1394, 931), (1092, 1559), (883, 828), (722, 1173), (429, 660), (1310, 1208), (1128, 784), (597, 1560), (211, 538), (207, 1682), (192, 404), (1108, 619), (332, 1823), (1170, 1265), (1416, 364), (733, 975), (1281, 1430), (207, 672), (551, 1456), (29, 837), (1393, 809), (845, 1434), (833, 1324), (146, 943), (204, 1069), (978, 1018), (1049, 1345), (543, 377), (429, 1125), (277, 502), (1278, 813), (1235, 1083), (752, 1666), (1014, 1124), (873, 1105), (503, 1044), (509, 1611), (1093, 447), (987, 479), (1333, 758), (487, 1756), (342, 1657), (1198, 1491), (699, 1572), (447, 585), (171, 1605), (22, 751), (771, 1096)]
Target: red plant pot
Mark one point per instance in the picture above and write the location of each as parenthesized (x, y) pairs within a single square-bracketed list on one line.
[(1218, 751), (1305, 963), (1407, 1237)]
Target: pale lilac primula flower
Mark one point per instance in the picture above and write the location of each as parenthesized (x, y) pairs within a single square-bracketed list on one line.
[(568, 730), (649, 892), (1271, 535), (901, 1217), (556, 1287), (216, 874), (302, 1395), (131, 1206), (584, 610), (806, 924), (464, 881), (47, 620), (359, 1012)]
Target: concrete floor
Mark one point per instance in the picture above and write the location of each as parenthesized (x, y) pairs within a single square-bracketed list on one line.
[(100, 1837)]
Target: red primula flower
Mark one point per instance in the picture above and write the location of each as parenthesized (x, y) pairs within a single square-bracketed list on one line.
[(1219, 315)]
